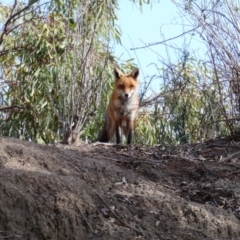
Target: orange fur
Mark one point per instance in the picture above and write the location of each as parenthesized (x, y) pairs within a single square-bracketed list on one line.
[(123, 107)]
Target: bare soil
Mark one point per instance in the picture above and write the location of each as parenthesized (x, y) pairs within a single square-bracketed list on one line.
[(98, 191)]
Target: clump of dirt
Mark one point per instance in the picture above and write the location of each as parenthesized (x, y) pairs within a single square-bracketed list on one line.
[(100, 191)]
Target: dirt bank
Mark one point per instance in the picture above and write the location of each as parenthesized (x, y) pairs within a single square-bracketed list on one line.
[(119, 192)]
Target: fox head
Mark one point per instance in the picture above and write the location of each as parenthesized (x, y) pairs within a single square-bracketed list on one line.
[(126, 84)]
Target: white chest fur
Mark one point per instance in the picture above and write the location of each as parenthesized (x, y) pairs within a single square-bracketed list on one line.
[(125, 108)]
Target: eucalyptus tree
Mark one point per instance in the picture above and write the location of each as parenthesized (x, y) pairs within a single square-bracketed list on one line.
[(186, 109), (216, 23), (56, 62)]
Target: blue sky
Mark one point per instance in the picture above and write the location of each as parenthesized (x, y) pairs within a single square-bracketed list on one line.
[(149, 26)]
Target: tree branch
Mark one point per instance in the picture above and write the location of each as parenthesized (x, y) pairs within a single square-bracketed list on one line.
[(167, 40), (11, 107)]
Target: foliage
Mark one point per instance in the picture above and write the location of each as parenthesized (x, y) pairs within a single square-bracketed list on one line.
[(216, 24), (56, 74), (56, 68), (199, 99), (60, 67), (186, 110)]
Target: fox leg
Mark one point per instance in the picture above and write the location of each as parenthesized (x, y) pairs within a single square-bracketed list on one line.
[(129, 132), (118, 134), (110, 130)]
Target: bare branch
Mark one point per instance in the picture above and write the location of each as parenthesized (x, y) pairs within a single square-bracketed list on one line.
[(167, 40), (11, 108)]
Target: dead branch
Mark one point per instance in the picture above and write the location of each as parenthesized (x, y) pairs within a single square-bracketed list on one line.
[(11, 108), (116, 216), (12, 19), (167, 40), (227, 159), (90, 227)]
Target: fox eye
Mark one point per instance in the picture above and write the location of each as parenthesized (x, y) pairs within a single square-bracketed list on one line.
[(131, 86), (121, 86)]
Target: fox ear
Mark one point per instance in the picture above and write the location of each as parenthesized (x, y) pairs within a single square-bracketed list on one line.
[(135, 73), (117, 73)]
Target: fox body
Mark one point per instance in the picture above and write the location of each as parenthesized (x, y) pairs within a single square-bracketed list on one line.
[(123, 107)]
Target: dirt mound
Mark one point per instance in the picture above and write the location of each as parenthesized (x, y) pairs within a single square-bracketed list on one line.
[(119, 192)]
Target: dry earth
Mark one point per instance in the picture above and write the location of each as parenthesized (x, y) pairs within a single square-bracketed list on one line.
[(99, 191)]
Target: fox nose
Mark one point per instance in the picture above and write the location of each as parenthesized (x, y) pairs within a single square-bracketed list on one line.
[(126, 95)]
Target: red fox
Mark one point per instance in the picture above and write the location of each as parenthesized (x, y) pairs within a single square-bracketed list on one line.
[(123, 107)]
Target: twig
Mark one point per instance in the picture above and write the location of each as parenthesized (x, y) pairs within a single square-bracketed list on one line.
[(149, 161), (116, 216), (125, 154), (12, 236), (103, 143), (231, 156), (231, 173), (85, 220), (179, 157), (164, 41), (11, 18), (11, 107), (111, 144), (107, 158), (235, 144), (229, 165), (124, 161)]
